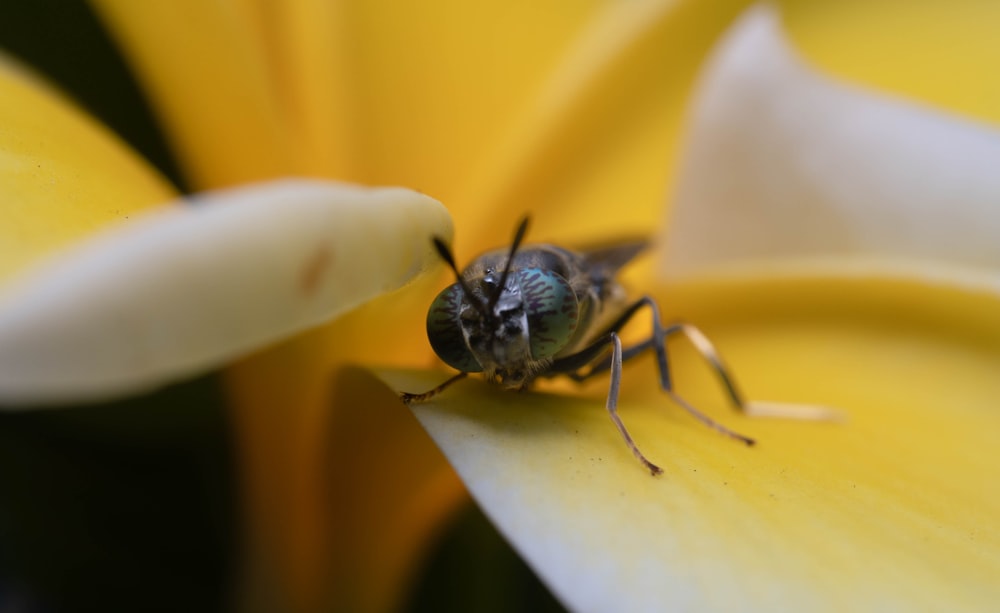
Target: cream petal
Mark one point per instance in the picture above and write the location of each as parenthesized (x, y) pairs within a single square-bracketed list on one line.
[(186, 287), (788, 170)]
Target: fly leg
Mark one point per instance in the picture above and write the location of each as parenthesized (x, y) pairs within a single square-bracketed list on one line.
[(570, 364), (409, 398), (753, 408), (658, 343), (708, 351), (612, 404)]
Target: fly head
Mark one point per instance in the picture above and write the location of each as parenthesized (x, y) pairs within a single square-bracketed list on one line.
[(507, 323)]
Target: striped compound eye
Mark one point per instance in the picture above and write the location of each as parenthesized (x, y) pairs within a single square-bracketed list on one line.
[(552, 310), (444, 330)]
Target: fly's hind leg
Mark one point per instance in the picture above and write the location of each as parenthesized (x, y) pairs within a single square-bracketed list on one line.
[(658, 343), (752, 408), (409, 398)]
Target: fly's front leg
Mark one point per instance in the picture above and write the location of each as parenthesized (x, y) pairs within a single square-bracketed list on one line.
[(569, 365), (612, 404), (409, 398)]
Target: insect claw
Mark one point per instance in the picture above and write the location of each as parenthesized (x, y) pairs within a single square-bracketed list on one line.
[(409, 398)]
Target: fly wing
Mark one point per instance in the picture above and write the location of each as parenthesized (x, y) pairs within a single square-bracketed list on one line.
[(604, 261), (602, 298)]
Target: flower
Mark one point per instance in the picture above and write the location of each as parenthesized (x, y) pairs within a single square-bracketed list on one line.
[(824, 237), (577, 122)]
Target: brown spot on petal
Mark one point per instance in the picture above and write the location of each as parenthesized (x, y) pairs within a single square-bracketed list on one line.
[(312, 272)]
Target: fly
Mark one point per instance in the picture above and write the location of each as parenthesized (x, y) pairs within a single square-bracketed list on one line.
[(541, 310)]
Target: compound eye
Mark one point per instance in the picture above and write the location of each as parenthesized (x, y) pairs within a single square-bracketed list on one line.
[(552, 311), (444, 330)]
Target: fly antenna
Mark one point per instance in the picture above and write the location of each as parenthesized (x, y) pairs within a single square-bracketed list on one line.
[(522, 229), (445, 252)]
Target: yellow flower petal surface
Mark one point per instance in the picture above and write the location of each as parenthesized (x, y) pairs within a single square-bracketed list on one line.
[(62, 176), (407, 94), (185, 288), (207, 78), (344, 489), (892, 508), (591, 155), (942, 53)]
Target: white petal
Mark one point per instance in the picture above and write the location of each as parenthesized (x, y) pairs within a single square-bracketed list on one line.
[(190, 286), (786, 169)]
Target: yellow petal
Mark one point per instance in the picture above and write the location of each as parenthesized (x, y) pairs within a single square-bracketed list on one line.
[(893, 508), (207, 78), (188, 287), (943, 53), (344, 490), (600, 137), (62, 175), (429, 87), (353, 76)]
